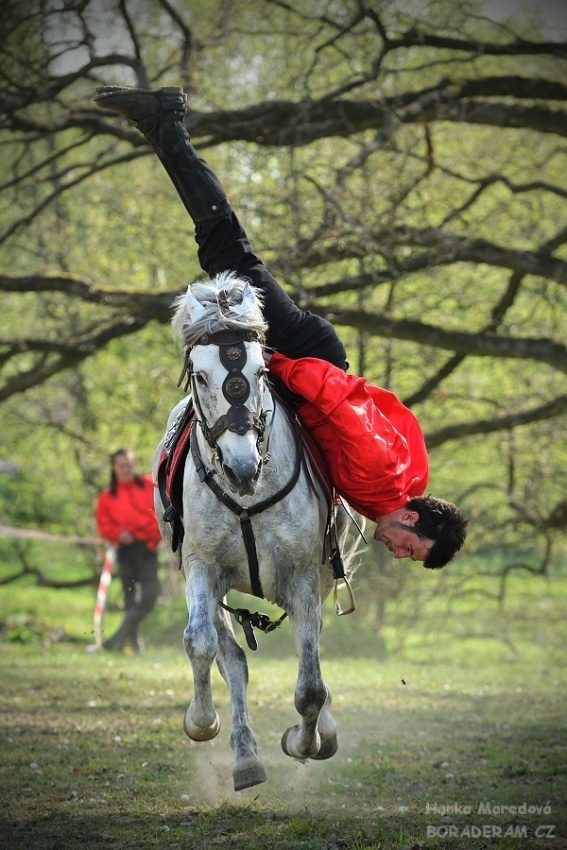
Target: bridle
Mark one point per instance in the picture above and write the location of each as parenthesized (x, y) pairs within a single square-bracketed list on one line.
[(239, 419)]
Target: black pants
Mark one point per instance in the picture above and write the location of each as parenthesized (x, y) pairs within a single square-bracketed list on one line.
[(138, 572), (224, 246)]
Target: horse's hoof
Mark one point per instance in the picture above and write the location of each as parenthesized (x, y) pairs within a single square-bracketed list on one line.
[(287, 744), (246, 777), (293, 730), (328, 749), (200, 733)]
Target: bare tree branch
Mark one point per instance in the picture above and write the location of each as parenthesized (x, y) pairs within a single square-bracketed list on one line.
[(555, 408), (64, 356), (444, 248), (518, 47), (476, 344)]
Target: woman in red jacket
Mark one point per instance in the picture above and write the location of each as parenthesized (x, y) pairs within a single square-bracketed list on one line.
[(374, 445), (125, 517)]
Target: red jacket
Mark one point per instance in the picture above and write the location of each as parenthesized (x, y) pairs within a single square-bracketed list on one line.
[(131, 509), (373, 444)]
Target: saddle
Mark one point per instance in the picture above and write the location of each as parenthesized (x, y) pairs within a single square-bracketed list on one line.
[(176, 448)]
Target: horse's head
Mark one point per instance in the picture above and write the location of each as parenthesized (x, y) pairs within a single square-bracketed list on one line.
[(222, 330)]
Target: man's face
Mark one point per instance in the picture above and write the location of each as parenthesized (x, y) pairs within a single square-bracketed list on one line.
[(402, 541)]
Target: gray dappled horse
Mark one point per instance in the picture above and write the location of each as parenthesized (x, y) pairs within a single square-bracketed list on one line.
[(246, 444)]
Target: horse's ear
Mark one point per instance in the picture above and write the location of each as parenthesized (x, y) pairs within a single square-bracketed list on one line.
[(194, 308), (248, 297)]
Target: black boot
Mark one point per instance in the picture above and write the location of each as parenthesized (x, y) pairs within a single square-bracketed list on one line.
[(159, 116), (222, 242), (140, 105)]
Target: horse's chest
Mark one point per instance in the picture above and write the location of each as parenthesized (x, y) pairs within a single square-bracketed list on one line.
[(282, 536)]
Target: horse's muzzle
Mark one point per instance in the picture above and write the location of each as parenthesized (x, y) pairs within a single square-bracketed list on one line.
[(243, 476)]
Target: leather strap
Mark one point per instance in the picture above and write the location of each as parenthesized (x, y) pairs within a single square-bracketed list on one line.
[(244, 514)]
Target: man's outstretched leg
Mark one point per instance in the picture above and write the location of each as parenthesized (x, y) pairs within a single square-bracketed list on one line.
[(222, 242)]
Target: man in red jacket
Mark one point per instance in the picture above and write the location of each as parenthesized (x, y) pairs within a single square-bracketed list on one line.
[(374, 445), (125, 516)]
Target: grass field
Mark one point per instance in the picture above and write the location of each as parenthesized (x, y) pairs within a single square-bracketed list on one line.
[(450, 744)]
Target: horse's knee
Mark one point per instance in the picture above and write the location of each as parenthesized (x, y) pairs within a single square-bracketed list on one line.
[(200, 643)]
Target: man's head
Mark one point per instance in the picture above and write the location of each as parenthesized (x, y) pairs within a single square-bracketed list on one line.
[(426, 529)]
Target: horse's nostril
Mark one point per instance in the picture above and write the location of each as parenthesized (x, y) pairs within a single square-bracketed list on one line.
[(243, 478)]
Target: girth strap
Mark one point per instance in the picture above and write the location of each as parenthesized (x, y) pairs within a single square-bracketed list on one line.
[(244, 514), (250, 545)]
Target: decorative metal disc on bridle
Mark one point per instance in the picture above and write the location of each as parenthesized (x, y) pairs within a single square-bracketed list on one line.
[(236, 387)]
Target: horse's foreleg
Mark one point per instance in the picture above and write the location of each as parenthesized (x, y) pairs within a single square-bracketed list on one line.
[(316, 735), (327, 731), (233, 666), (200, 640)]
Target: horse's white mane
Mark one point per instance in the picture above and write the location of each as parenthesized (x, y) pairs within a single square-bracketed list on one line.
[(223, 302)]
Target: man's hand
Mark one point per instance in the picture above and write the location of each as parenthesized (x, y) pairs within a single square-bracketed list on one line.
[(125, 537)]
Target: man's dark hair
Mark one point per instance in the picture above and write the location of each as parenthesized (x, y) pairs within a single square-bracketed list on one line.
[(442, 522)]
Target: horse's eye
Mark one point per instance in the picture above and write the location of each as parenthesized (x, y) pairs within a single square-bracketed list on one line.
[(201, 379)]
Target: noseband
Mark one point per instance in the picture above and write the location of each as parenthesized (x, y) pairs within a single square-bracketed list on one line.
[(236, 388)]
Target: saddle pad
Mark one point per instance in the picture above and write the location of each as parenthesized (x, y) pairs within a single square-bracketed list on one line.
[(176, 466), (172, 460)]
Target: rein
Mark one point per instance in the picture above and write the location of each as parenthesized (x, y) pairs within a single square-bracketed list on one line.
[(206, 475), (239, 419)]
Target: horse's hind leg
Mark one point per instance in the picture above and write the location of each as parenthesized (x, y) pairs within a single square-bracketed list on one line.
[(231, 660), (200, 640), (315, 737)]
